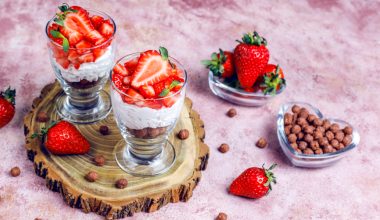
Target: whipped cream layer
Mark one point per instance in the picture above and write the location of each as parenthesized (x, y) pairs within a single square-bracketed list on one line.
[(135, 117), (91, 71)]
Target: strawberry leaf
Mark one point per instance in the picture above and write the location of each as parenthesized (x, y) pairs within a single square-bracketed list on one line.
[(56, 34), (174, 84), (65, 44), (164, 53), (164, 92)]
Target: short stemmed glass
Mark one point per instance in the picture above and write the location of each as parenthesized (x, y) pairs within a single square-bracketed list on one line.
[(82, 73), (145, 125)]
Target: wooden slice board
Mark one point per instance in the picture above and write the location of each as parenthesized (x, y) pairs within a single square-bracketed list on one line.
[(65, 174)]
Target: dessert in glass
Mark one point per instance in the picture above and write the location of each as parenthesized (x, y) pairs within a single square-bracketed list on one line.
[(147, 93), (82, 53)]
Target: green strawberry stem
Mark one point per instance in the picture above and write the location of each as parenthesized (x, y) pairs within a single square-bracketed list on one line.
[(272, 82), (270, 176), (9, 95), (164, 53), (44, 130), (166, 91), (253, 39), (65, 42), (215, 65)]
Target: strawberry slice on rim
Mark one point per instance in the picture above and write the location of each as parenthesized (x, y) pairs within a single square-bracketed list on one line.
[(106, 29), (97, 21), (131, 65), (78, 21), (147, 91), (120, 69), (152, 67)]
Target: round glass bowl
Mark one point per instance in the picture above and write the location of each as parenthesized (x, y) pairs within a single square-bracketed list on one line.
[(314, 160), (238, 96)]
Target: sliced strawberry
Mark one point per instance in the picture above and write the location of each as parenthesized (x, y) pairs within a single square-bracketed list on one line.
[(158, 87), (83, 47), (73, 36), (131, 65), (95, 37), (106, 29), (153, 104), (151, 68), (58, 52), (117, 80), (170, 100), (177, 87), (73, 55), (63, 62), (147, 91), (79, 21), (132, 96), (97, 21), (120, 69), (127, 80), (78, 8), (86, 58), (98, 52)]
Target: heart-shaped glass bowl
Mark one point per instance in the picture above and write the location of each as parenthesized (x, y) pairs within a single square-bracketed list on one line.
[(314, 160), (238, 96)]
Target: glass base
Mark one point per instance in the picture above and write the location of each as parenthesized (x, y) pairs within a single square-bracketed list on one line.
[(136, 166), (92, 114)]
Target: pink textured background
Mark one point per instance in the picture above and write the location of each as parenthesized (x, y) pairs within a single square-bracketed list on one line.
[(329, 50)]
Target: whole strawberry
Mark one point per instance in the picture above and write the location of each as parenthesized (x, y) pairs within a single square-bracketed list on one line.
[(273, 79), (7, 106), (221, 64), (254, 182), (64, 138), (251, 56)]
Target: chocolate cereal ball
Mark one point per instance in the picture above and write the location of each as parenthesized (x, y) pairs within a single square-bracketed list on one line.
[(314, 145), (323, 142), (318, 151), (317, 135), (326, 124), (296, 129), (294, 146), (311, 118), (287, 129), (300, 136), (318, 122), (334, 128), (334, 143), (309, 129), (347, 140), (308, 151), (329, 135), (292, 138), (288, 119), (328, 149), (308, 138), (296, 109), (301, 121), (339, 136), (302, 145), (347, 130), (304, 113)]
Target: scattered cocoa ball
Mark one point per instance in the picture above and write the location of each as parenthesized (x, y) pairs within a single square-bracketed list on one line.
[(347, 130), (296, 109), (231, 112), (302, 145), (223, 148), (262, 143), (104, 130), (329, 135), (334, 128), (288, 119), (308, 151), (221, 216), (339, 136), (292, 138), (42, 117), (91, 176), (99, 160), (183, 134), (15, 171), (296, 129), (121, 183), (347, 140)]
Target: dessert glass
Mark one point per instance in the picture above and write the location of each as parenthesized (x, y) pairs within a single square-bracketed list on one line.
[(83, 100), (146, 150)]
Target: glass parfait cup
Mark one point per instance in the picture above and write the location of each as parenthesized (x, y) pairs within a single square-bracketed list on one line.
[(82, 74), (145, 125)]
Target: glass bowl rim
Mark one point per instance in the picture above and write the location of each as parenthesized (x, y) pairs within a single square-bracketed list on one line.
[(90, 48), (223, 86), (135, 55), (280, 129)]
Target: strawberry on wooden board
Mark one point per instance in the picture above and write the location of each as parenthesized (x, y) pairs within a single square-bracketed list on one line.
[(250, 56), (152, 67), (254, 182), (7, 106), (63, 138), (221, 64), (272, 80)]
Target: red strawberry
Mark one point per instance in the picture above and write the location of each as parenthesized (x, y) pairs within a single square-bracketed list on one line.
[(64, 138), (153, 104), (120, 69), (78, 21), (132, 96), (83, 47), (131, 65), (95, 37), (158, 87), (147, 91), (117, 80), (272, 80), (64, 62), (73, 55), (7, 106), (170, 99), (152, 67), (86, 58), (106, 29), (254, 182), (97, 21), (73, 36), (98, 52), (221, 64), (127, 80), (251, 56)]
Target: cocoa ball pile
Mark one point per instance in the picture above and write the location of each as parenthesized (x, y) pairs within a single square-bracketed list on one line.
[(309, 134)]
